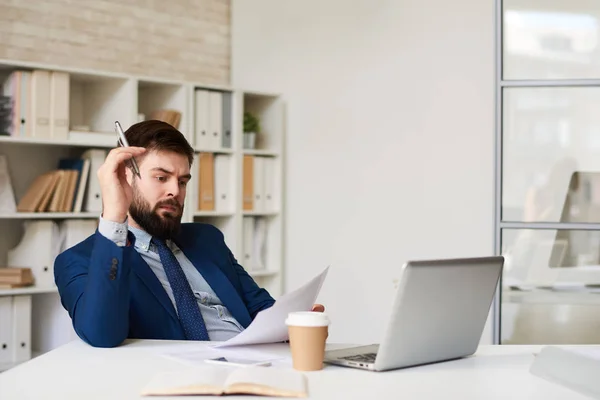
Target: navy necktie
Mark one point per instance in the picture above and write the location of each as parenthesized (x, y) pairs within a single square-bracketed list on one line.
[(187, 306)]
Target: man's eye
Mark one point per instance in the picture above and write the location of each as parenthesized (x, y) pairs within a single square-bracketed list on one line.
[(183, 183), (161, 178)]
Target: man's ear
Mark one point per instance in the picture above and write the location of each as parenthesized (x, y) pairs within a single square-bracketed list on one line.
[(129, 176)]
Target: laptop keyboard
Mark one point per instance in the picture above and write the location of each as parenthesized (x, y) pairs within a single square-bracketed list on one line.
[(365, 358)]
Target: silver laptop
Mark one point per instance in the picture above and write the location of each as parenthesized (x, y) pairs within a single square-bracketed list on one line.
[(438, 314)]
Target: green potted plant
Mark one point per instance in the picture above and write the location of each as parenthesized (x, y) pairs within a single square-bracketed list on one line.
[(251, 129)]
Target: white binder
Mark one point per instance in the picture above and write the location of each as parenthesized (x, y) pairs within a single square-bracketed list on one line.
[(25, 120), (93, 197), (259, 184), (226, 141), (21, 328), (259, 242), (37, 250), (215, 120), (271, 176), (59, 105), (40, 104), (201, 138), (6, 332), (248, 243), (223, 184)]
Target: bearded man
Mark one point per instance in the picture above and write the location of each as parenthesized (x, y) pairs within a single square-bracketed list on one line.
[(144, 274)]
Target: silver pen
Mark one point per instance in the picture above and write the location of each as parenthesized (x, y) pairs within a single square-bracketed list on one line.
[(123, 142)]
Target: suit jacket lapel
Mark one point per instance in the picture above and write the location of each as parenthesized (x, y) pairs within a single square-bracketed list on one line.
[(143, 271)]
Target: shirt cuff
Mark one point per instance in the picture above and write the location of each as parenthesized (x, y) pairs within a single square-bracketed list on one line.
[(114, 231)]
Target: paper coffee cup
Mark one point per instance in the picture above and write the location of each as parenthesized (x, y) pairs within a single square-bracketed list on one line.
[(308, 332)]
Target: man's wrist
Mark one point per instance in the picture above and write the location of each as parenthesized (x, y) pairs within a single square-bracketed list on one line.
[(116, 218)]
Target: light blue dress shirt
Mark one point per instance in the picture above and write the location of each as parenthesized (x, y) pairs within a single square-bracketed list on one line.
[(220, 324)]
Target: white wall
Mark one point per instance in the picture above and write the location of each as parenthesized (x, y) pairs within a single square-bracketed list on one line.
[(389, 138)]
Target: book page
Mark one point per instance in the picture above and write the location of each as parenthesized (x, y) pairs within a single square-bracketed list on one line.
[(194, 381), (267, 381)]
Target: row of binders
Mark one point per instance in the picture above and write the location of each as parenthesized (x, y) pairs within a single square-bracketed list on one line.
[(212, 125), (36, 104), (215, 180), (69, 188), (41, 242), (39, 104), (215, 183), (260, 177), (15, 329)]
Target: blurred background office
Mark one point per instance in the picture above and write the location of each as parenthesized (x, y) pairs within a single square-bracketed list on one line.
[(410, 129)]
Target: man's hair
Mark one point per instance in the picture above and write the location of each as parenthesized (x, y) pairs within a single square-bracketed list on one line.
[(159, 136)]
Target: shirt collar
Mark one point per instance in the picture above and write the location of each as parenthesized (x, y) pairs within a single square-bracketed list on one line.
[(143, 240)]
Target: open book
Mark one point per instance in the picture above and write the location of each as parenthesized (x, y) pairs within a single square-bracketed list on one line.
[(262, 381)]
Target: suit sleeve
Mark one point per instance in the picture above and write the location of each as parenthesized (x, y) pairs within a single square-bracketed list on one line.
[(94, 289), (255, 297)]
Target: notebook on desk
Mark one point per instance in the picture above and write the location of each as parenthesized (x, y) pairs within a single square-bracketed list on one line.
[(254, 380), (438, 314)]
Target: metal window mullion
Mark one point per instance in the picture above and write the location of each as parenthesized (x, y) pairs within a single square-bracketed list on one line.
[(550, 83), (575, 226), (499, 225), (497, 320)]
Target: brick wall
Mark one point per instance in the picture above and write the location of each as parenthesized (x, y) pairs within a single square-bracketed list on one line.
[(179, 39)]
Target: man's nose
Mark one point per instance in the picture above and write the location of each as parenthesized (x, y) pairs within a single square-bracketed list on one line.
[(174, 188)]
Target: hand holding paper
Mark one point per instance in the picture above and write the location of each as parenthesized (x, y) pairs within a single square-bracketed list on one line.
[(269, 325)]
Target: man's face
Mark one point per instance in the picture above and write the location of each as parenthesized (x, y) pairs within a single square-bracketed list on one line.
[(158, 197)]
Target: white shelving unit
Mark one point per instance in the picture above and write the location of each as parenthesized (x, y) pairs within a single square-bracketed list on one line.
[(48, 215), (230, 219), (96, 100)]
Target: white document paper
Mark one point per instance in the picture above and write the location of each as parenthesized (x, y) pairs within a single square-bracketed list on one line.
[(269, 325), (199, 357)]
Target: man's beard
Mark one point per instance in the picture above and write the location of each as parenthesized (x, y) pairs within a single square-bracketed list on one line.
[(163, 227)]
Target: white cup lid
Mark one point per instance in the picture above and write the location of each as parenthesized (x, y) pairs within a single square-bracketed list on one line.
[(307, 318)]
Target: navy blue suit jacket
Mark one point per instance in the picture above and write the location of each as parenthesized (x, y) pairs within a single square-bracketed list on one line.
[(112, 294)]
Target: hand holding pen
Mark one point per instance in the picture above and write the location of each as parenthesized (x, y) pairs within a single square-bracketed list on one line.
[(117, 193), (123, 141)]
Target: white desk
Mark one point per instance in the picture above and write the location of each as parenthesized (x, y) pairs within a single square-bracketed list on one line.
[(79, 371)]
